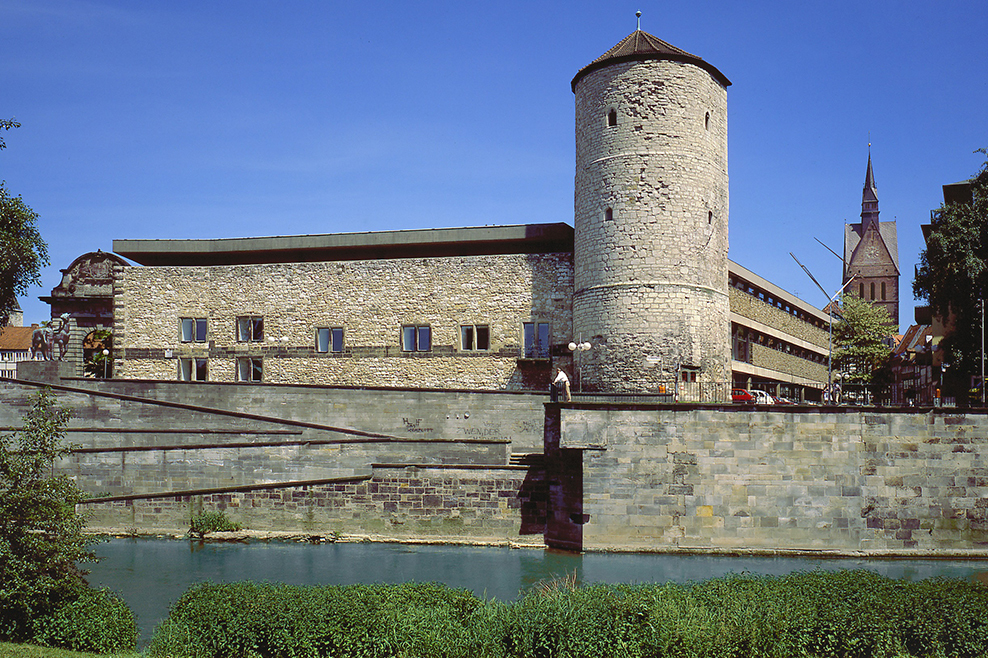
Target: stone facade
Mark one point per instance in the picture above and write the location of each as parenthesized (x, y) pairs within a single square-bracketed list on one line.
[(400, 503), (651, 222), (371, 300), (725, 479)]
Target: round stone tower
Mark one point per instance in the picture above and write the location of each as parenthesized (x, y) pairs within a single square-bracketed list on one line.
[(651, 208)]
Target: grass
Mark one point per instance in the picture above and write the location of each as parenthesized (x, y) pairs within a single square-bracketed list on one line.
[(30, 651)]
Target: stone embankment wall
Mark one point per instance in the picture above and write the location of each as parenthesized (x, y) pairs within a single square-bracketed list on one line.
[(656, 478), (370, 300), (297, 458), (624, 477), (505, 505)]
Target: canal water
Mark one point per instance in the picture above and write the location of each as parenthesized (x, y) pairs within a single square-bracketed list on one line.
[(151, 574)]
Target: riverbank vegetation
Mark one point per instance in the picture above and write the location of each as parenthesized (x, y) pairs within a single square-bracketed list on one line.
[(44, 598), (848, 614)]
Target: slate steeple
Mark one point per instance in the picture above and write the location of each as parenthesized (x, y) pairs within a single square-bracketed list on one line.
[(869, 197), (871, 252)]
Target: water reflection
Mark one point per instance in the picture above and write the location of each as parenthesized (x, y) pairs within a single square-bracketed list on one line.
[(151, 574)]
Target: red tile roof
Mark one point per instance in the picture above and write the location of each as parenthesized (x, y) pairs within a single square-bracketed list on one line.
[(14, 339)]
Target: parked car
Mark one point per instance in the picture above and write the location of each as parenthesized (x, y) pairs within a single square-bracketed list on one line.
[(741, 396), (761, 397), (782, 400)]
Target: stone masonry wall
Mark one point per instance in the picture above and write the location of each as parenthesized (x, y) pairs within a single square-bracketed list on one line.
[(709, 479), (755, 309), (787, 364), (651, 224), (370, 300), (490, 504)]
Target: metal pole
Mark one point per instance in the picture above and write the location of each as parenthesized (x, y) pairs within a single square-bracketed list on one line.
[(982, 352)]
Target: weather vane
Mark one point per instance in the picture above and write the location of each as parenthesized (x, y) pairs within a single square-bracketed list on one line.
[(638, 14)]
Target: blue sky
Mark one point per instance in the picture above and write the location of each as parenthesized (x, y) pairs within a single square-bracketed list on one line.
[(228, 119)]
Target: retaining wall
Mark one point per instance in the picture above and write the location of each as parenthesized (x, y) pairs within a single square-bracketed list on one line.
[(662, 478)]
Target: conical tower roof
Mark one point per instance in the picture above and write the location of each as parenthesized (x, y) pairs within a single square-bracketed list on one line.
[(641, 46)]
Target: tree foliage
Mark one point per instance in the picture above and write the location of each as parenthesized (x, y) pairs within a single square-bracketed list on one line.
[(953, 277), (22, 251), (41, 539), (861, 349)]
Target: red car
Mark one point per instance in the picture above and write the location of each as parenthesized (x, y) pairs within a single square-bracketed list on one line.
[(741, 396)]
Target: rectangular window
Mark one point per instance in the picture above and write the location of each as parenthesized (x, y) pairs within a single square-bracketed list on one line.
[(193, 370), (249, 369), (416, 338), (536, 337), (329, 339), (475, 337), (250, 329), (193, 330)]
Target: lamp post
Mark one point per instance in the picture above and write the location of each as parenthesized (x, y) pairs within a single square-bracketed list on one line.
[(576, 348), (106, 361)]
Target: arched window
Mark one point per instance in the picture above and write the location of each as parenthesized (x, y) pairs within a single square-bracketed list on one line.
[(861, 291), (710, 216), (609, 214), (873, 291), (706, 122), (612, 118), (883, 291)]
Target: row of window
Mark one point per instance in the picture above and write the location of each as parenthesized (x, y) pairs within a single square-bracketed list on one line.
[(612, 120), (249, 369), (768, 298), (861, 291), (742, 339), (414, 338)]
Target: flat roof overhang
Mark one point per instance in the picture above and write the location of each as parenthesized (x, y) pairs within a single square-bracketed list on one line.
[(420, 243)]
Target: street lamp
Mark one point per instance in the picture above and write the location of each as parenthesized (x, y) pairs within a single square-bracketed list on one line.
[(576, 348), (106, 361)]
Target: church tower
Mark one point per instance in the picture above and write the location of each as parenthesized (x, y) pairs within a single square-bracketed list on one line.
[(651, 213), (871, 253)]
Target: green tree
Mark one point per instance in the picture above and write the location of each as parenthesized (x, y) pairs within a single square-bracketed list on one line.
[(41, 539), (952, 278), (861, 346), (22, 251)]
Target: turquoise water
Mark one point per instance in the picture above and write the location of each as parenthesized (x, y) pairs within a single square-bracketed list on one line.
[(151, 574)]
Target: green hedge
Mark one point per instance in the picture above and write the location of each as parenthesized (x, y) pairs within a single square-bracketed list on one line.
[(847, 614), (96, 621)]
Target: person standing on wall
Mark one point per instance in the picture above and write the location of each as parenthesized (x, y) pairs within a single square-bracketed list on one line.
[(560, 382)]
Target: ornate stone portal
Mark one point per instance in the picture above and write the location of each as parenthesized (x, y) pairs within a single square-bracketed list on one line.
[(81, 304)]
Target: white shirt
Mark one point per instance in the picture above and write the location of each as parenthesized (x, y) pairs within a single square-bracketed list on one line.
[(561, 378)]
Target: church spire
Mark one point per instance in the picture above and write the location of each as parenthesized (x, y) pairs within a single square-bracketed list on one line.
[(869, 197)]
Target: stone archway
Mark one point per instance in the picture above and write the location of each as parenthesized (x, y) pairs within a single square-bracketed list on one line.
[(95, 362)]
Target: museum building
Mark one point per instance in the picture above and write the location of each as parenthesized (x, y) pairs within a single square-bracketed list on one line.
[(637, 297)]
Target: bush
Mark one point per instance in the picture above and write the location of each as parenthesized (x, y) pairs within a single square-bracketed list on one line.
[(97, 621), (846, 614), (212, 521), (249, 619)]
